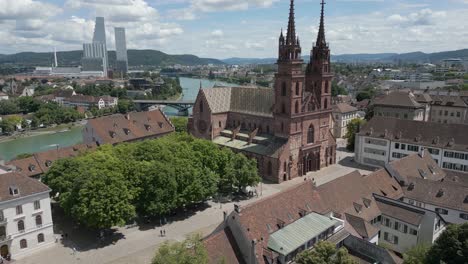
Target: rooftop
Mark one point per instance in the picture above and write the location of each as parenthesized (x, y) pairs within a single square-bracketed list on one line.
[(298, 233), (344, 108), (23, 185), (448, 136), (398, 99)]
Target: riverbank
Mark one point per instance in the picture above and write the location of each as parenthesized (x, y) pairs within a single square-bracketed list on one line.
[(43, 131)]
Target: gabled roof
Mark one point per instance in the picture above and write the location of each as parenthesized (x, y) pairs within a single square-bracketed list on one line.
[(361, 226), (344, 108), (249, 100), (421, 166), (133, 126), (401, 211), (448, 100), (449, 136), (398, 99), (28, 167), (445, 194), (45, 159), (222, 246), (26, 186)]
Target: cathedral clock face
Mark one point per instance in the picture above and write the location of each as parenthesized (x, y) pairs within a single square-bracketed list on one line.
[(202, 126)]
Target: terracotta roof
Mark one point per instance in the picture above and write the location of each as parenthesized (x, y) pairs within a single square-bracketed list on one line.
[(79, 98), (449, 136), (457, 177), (344, 108), (45, 159), (222, 246), (26, 186), (398, 99), (444, 194), (255, 101), (415, 166), (133, 126), (27, 167), (423, 98), (361, 226), (448, 100), (400, 211)]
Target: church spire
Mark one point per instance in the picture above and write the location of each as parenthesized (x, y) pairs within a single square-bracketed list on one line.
[(291, 34), (321, 34)]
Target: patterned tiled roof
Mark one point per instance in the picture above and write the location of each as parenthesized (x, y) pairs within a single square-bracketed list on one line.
[(26, 186), (398, 99), (255, 101)]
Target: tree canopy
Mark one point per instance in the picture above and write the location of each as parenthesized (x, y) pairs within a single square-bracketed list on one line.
[(353, 128), (180, 123), (190, 251), (324, 252), (112, 185), (451, 247)]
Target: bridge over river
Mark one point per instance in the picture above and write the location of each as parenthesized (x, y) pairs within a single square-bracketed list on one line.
[(182, 106)]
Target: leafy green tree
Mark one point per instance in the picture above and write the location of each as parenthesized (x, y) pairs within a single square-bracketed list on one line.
[(242, 171), (451, 247), (180, 123), (338, 89), (23, 156), (190, 251), (324, 252), (8, 107), (124, 106), (28, 104), (416, 255), (353, 128)]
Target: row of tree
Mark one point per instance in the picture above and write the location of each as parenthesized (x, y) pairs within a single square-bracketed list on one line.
[(113, 185)]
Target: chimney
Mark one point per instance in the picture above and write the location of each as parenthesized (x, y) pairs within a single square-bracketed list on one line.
[(421, 152), (127, 116), (237, 208)]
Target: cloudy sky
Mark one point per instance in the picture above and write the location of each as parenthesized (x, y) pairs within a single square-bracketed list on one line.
[(235, 28)]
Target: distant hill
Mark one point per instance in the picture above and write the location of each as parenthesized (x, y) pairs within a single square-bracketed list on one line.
[(412, 57), (135, 58)]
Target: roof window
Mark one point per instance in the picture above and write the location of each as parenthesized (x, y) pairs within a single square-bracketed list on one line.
[(48, 163), (14, 191), (440, 193), (32, 167)]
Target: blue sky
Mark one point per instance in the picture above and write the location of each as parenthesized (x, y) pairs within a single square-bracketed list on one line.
[(235, 28)]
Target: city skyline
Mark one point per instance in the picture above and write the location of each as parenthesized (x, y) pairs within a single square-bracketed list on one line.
[(228, 28)]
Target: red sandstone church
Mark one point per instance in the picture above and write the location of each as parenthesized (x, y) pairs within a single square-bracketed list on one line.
[(286, 129)]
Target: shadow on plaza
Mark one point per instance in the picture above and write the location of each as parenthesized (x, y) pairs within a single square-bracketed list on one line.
[(74, 236), (351, 163)]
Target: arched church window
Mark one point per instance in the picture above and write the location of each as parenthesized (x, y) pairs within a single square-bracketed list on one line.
[(269, 168), (298, 88), (325, 104), (283, 89), (283, 108), (310, 134), (326, 86), (201, 106), (296, 107)]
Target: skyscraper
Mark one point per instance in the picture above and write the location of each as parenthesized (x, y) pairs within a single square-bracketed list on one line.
[(121, 50), (95, 56), (99, 31)]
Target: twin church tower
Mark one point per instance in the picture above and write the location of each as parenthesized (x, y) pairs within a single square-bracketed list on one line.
[(286, 129)]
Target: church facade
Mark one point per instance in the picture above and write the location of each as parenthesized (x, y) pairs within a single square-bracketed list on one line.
[(287, 129)]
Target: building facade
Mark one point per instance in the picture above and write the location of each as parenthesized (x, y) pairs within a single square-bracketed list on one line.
[(383, 140), (121, 50), (287, 129), (401, 105), (448, 109), (25, 216), (95, 57), (343, 114)]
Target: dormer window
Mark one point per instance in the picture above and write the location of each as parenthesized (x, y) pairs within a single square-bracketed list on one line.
[(466, 200), (148, 127), (440, 193), (160, 124), (48, 163), (366, 202), (126, 131), (411, 186), (14, 191), (422, 173), (31, 167), (357, 207), (112, 134)]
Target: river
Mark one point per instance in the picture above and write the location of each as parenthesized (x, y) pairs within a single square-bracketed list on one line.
[(11, 149)]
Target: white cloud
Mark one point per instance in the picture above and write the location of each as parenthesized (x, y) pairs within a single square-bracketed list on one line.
[(26, 9), (424, 17), (218, 33)]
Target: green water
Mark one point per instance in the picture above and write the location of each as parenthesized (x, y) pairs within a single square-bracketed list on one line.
[(11, 149)]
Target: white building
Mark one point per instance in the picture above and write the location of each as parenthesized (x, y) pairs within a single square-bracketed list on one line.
[(3, 96), (404, 226), (25, 216), (402, 105), (383, 140), (343, 114)]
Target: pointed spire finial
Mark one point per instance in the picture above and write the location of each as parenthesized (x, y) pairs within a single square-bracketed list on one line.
[(291, 34), (321, 35)]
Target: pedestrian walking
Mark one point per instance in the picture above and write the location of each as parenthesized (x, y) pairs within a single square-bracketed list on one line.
[(74, 251), (164, 232), (161, 232)]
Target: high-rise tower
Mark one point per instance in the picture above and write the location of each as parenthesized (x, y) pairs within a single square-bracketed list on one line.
[(121, 50), (95, 57)]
